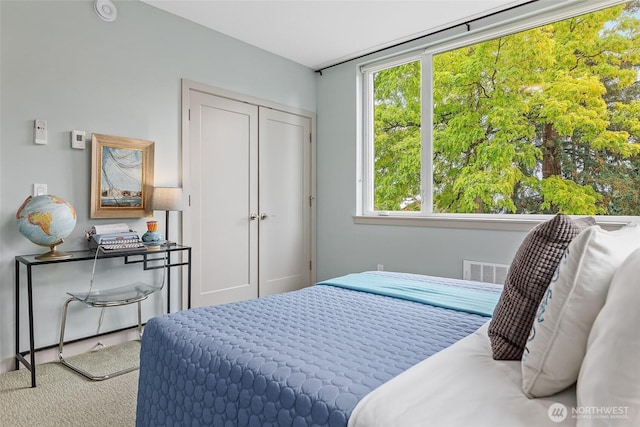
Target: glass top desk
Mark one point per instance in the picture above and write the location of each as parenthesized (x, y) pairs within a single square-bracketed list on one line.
[(147, 257)]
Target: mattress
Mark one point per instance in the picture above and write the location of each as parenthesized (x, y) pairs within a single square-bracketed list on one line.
[(298, 359), (462, 385)]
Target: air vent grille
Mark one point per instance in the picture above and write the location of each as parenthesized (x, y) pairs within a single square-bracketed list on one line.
[(484, 271)]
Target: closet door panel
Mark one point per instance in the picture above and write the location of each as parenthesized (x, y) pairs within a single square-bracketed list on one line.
[(223, 176), (284, 192)]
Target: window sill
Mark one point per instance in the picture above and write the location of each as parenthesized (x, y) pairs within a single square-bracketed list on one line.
[(480, 222)]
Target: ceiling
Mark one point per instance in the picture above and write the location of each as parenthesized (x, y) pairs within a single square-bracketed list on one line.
[(320, 33)]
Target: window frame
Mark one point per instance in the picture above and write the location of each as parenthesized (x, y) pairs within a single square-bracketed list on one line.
[(365, 213), (367, 145)]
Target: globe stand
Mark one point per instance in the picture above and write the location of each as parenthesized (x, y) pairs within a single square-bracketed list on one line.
[(53, 252)]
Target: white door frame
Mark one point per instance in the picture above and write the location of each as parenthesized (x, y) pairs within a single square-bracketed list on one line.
[(187, 87)]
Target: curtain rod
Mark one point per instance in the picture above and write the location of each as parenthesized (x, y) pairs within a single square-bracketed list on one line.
[(466, 24)]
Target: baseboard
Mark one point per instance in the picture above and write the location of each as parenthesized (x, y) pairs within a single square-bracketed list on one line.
[(71, 349)]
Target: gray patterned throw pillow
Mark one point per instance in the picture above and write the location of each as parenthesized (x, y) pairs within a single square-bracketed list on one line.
[(528, 278)]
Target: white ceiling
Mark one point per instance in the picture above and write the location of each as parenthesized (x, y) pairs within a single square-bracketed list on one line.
[(319, 33)]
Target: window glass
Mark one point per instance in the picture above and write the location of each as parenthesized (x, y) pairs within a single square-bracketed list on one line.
[(397, 138), (536, 122)]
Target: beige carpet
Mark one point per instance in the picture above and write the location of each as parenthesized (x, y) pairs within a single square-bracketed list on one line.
[(65, 398)]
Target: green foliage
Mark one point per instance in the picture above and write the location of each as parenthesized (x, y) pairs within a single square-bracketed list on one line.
[(397, 144), (542, 121), (570, 197)]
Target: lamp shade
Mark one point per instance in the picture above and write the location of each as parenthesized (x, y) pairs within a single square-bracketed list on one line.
[(167, 199)]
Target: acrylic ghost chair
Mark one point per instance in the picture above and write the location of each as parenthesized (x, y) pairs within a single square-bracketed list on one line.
[(113, 297)]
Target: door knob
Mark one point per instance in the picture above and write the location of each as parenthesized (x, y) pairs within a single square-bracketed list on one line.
[(263, 216), (253, 217)]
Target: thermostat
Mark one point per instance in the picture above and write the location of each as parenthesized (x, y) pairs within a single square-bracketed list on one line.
[(77, 139)]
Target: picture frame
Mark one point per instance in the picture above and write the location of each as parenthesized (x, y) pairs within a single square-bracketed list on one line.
[(121, 177)]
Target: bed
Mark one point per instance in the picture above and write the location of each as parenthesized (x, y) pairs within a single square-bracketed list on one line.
[(304, 358), (457, 385)]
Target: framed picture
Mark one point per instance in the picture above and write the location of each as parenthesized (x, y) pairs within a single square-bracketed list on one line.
[(121, 177)]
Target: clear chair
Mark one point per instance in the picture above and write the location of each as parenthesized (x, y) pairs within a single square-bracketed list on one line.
[(113, 297)]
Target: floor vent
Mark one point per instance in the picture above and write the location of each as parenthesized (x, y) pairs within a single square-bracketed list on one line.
[(484, 271)]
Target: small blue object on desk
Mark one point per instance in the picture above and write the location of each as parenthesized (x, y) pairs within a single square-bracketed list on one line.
[(152, 238), (155, 244)]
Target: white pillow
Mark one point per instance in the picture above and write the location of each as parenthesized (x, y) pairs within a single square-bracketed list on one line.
[(610, 373), (558, 339)]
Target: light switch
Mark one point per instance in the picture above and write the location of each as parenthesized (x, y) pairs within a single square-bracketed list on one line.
[(39, 190)]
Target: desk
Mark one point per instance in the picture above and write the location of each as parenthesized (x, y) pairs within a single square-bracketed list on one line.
[(144, 257)]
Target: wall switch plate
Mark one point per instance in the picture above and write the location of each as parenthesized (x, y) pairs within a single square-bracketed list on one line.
[(40, 132), (39, 190), (77, 139)]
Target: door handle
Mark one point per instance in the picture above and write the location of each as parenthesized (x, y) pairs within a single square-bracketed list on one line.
[(253, 217), (263, 216)]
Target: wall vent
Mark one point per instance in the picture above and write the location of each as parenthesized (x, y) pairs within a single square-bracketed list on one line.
[(484, 271)]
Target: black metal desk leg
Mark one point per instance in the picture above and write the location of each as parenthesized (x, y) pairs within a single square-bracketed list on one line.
[(17, 313), (31, 338), (189, 280), (168, 273)]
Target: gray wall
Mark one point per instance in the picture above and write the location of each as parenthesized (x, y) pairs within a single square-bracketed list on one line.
[(61, 63)]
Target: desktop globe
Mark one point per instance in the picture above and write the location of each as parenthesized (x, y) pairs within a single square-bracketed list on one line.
[(46, 221)]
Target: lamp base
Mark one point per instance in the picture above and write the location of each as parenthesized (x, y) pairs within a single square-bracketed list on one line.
[(166, 229)]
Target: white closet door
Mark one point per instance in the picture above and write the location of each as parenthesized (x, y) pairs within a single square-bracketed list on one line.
[(223, 138), (285, 190)]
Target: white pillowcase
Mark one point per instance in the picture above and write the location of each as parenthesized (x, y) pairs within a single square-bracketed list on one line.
[(558, 339), (610, 373)]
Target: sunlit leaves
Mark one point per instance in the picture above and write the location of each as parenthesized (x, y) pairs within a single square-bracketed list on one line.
[(570, 198), (397, 137), (542, 121)]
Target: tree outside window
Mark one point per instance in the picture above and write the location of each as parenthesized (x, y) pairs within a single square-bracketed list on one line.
[(538, 122)]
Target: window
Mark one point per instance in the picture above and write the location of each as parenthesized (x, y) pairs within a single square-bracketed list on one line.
[(539, 121)]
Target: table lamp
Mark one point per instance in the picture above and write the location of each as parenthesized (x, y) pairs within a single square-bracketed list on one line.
[(167, 199)]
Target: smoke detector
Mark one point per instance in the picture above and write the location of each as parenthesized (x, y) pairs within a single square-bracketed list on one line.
[(106, 10)]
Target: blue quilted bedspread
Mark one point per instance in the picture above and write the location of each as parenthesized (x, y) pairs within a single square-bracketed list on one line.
[(304, 358), (462, 296)]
